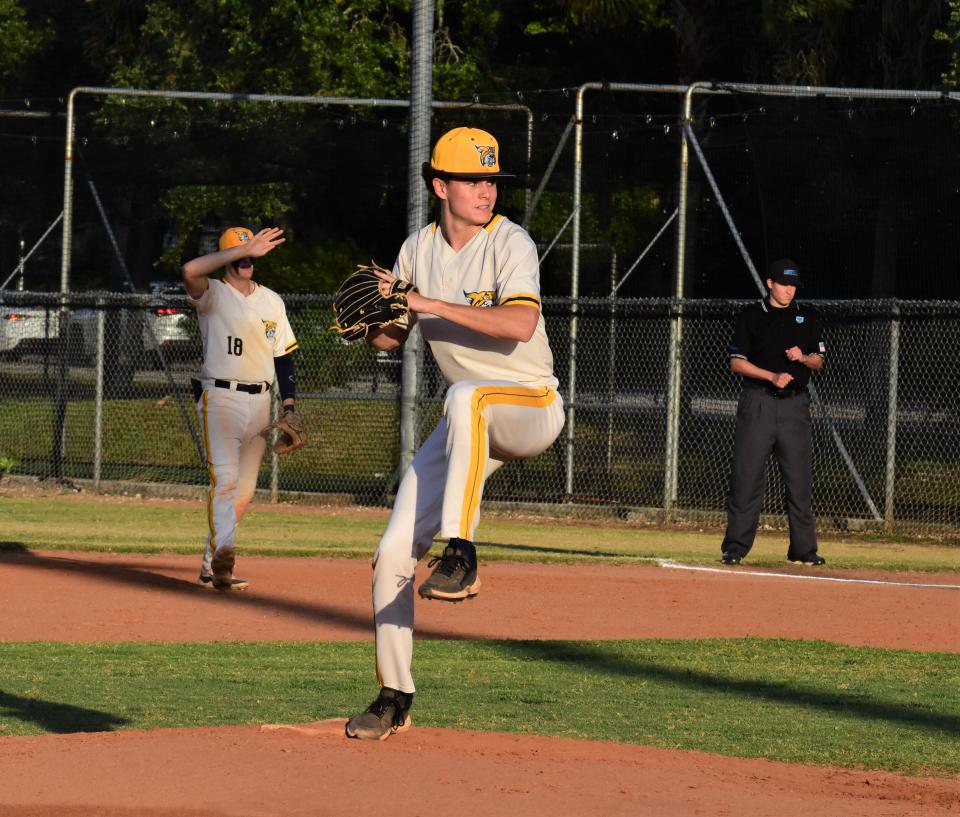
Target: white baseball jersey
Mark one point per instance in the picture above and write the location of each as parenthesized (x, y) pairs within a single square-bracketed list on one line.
[(242, 334), (497, 267)]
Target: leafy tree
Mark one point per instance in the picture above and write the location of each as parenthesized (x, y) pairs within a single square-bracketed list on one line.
[(22, 39), (949, 36)]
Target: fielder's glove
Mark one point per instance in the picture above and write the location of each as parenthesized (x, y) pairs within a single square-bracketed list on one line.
[(290, 433), (360, 304)]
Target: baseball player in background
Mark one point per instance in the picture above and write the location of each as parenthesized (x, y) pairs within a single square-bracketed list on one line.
[(247, 341), (477, 301)]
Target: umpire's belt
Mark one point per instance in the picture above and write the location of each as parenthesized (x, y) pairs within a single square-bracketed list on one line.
[(233, 385), (779, 394)]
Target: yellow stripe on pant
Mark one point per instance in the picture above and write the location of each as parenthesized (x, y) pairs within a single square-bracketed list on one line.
[(213, 476), (483, 398)]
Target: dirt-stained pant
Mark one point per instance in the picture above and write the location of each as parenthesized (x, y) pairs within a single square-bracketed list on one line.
[(231, 423), (484, 424)]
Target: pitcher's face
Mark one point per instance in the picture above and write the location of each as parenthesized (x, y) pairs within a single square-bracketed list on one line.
[(470, 201)]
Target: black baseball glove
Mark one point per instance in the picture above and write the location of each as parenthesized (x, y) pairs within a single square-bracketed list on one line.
[(360, 305)]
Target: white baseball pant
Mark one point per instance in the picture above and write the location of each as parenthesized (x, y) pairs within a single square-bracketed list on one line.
[(232, 422), (484, 424)]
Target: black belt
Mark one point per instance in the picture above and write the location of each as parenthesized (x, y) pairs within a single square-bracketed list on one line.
[(249, 388), (779, 394)]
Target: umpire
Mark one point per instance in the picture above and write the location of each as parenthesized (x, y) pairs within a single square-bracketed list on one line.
[(776, 344)]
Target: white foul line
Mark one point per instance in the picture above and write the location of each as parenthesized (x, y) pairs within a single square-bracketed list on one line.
[(741, 572)]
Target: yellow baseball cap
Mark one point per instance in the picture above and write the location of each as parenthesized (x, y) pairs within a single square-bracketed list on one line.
[(465, 153), (234, 237)]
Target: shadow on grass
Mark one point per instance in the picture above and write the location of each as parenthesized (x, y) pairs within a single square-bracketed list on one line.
[(601, 554), (594, 659), (13, 547), (58, 718)]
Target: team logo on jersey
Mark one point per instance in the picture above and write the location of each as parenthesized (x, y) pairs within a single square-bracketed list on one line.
[(480, 298), (799, 318), (270, 328), (488, 155)]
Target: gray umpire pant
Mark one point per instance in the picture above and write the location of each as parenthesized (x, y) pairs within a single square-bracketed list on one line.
[(768, 423)]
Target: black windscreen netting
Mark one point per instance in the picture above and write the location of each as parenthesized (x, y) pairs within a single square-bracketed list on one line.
[(172, 173), (862, 193)]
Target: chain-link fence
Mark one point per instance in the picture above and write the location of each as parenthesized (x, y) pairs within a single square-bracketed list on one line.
[(109, 399), (858, 186)]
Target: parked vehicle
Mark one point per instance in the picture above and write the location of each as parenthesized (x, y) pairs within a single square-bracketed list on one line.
[(168, 325), (169, 321), (26, 330)]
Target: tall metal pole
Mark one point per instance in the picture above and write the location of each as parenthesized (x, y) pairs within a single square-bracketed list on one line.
[(674, 360), (60, 399), (421, 106), (574, 292)]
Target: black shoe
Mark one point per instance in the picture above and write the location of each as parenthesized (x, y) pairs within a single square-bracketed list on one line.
[(222, 565), (206, 580), (455, 576), (387, 715), (730, 559), (813, 560)]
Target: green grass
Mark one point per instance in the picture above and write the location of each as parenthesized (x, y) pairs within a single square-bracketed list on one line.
[(809, 702), (797, 701), (354, 448), (149, 433), (155, 526)]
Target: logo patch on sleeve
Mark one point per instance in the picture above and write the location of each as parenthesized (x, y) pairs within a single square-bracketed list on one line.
[(487, 298), (270, 328)]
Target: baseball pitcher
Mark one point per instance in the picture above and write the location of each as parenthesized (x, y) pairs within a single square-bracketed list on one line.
[(471, 280)]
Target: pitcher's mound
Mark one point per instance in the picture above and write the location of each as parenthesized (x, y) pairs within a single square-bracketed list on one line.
[(312, 770)]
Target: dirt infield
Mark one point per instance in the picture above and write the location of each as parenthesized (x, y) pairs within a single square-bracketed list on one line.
[(316, 771)]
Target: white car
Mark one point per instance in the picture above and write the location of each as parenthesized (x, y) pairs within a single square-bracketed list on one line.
[(168, 322), (26, 330)]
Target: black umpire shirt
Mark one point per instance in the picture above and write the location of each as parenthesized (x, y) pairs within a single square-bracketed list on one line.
[(764, 333)]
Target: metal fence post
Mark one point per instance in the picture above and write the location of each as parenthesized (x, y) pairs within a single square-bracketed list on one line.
[(274, 457), (421, 105), (890, 478), (574, 294), (98, 396), (672, 453)]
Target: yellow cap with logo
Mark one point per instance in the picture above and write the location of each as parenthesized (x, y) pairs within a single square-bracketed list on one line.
[(465, 153), (234, 237)]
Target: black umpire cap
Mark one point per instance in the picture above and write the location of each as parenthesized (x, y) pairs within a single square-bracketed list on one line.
[(784, 271)]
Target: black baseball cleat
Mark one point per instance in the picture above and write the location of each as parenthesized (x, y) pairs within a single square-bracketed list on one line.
[(455, 576), (222, 565), (813, 560), (387, 715), (730, 559), (206, 580)]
